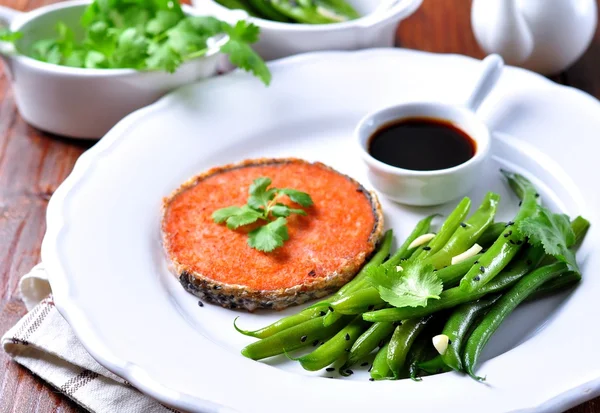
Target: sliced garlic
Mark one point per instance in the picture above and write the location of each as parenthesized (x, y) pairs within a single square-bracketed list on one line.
[(474, 250), (399, 268), (420, 240), (440, 342)]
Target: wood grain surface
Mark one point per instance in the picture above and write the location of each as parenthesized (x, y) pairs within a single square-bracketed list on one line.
[(33, 164)]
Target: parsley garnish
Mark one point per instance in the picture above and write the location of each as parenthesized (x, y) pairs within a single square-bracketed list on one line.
[(411, 287), (263, 205), (553, 232), (145, 35)]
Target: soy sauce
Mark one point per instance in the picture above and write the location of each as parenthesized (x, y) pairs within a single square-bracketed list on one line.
[(421, 144)]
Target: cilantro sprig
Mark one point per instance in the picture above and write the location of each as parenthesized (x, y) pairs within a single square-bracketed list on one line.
[(410, 287), (264, 205), (145, 35), (554, 233)]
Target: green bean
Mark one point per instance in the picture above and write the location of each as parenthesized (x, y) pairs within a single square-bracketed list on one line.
[(402, 339), (446, 231), (293, 338), (422, 227), (508, 245), (301, 11), (467, 233), (459, 325), (452, 274), (269, 10), (368, 341), (282, 324), (580, 227), (335, 347), (339, 7), (434, 366), (455, 296), (491, 234), (238, 4), (420, 351), (502, 308), (380, 370)]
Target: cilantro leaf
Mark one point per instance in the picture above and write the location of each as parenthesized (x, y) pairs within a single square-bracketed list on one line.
[(553, 232), (8, 36), (411, 287), (281, 210), (259, 195), (145, 35), (298, 197), (243, 216), (270, 236), (221, 215)]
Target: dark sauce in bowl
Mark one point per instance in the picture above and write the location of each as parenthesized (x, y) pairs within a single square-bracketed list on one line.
[(421, 144)]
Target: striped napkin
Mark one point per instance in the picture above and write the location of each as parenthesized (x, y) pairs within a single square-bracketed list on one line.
[(44, 343)]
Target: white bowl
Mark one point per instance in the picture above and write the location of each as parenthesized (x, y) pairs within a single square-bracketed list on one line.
[(84, 103), (424, 188), (376, 28)]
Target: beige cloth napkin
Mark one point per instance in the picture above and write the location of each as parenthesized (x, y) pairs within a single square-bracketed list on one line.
[(44, 343)]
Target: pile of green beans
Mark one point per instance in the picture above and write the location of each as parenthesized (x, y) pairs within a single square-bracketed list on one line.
[(295, 11), (356, 326)]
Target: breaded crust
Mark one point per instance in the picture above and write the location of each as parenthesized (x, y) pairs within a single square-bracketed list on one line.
[(325, 250)]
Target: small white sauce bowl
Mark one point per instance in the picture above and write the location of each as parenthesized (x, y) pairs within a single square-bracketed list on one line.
[(424, 188), (84, 103), (375, 28)]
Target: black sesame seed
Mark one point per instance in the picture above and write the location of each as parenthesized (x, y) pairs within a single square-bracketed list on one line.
[(449, 342), (322, 313), (330, 369), (509, 232), (312, 273), (315, 343), (476, 262), (347, 337), (529, 262), (520, 203), (537, 195), (366, 363), (371, 379), (476, 278), (370, 368), (200, 303), (482, 268), (371, 307), (505, 235), (330, 308), (509, 223), (349, 371), (426, 248), (462, 224), (303, 339)]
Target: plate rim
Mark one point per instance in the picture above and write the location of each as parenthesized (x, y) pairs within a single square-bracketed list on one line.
[(56, 222)]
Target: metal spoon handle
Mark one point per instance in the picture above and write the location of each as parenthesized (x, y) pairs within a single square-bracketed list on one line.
[(492, 69)]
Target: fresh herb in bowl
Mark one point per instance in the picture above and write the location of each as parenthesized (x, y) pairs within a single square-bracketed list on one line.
[(146, 35)]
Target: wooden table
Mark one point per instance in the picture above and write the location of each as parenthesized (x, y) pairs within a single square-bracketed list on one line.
[(33, 164)]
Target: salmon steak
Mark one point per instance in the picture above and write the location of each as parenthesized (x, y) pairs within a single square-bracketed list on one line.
[(325, 249)]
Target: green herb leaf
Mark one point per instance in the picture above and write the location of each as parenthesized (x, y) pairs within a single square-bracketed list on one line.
[(221, 215), (145, 35), (281, 210), (270, 236), (298, 197), (259, 195), (554, 233), (244, 216), (411, 287)]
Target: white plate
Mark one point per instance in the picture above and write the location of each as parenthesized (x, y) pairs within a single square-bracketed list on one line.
[(108, 273)]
